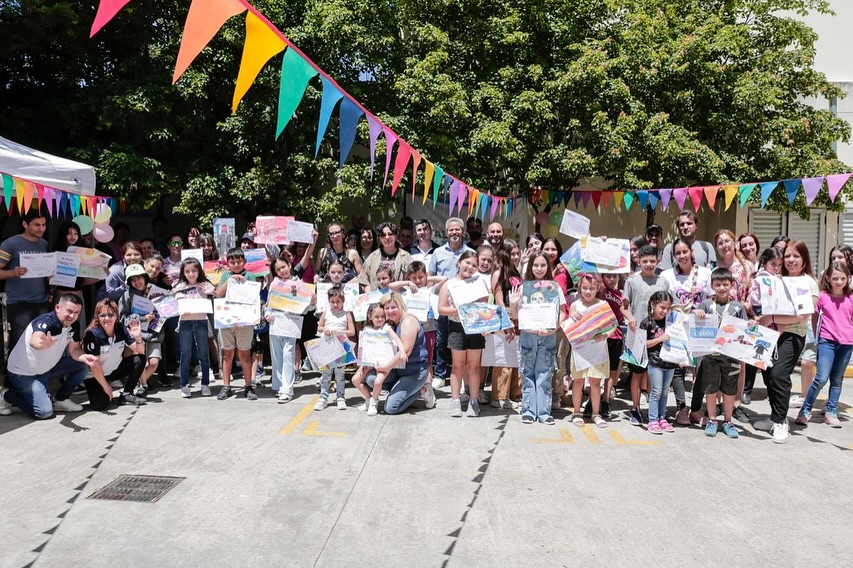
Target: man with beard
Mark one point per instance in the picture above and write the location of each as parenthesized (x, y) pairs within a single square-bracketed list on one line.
[(475, 232), (423, 248), (495, 235), (703, 253)]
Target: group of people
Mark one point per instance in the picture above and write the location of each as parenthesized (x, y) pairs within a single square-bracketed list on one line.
[(122, 349)]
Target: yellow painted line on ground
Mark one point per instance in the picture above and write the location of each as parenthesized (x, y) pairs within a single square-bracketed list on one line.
[(297, 420), (311, 430), (590, 434), (617, 437), (565, 438)]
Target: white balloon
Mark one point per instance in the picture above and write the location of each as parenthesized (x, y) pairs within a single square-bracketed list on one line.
[(103, 213), (103, 233)]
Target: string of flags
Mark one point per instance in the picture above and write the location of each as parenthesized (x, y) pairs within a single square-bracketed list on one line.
[(20, 194), (263, 41)]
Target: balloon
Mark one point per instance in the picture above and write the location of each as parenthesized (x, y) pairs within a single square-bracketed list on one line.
[(84, 222), (542, 218), (556, 218), (103, 213), (550, 231), (103, 233)]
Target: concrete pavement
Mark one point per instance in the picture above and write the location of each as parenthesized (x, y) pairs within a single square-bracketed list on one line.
[(281, 485)]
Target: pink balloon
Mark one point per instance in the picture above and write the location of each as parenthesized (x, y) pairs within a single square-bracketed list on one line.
[(103, 233), (542, 218)]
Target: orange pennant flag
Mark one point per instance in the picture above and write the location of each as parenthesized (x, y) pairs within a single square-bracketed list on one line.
[(203, 22), (605, 198), (730, 191), (262, 42), (429, 172), (711, 195)]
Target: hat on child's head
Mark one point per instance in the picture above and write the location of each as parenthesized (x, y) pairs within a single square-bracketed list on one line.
[(135, 270), (248, 237)]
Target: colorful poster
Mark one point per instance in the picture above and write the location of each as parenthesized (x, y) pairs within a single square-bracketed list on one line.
[(166, 306), (702, 334), (597, 321), (227, 315), (257, 262), (376, 348), (480, 317), (351, 292), (634, 348), (271, 230), (363, 302), (330, 352), (776, 298), (751, 345), (224, 234), (213, 270), (677, 348), (67, 266), (93, 263), (294, 296)]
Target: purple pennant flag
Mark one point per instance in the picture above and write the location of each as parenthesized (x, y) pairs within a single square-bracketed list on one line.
[(495, 202), (680, 196), (643, 197), (834, 183), (350, 115), (331, 96), (665, 196), (792, 186), (586, 197), (390, 140), (766, 189), (653, 199), (375, 130), (577, 198), (464, 192), (811, 187), (48, 200), (454, 190)]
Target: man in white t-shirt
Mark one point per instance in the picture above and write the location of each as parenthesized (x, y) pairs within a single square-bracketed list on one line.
[(40, 355)]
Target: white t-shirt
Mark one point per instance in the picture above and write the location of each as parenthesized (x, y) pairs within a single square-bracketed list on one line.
[(28, 362)]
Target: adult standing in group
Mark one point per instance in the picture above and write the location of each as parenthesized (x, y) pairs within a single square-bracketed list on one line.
[(495, 235), (703, 252), (475, 232), (750, 248), (444, 263), (410, 381), (389, 255), (336, 250), (553, 251), (366, 243), (26, 298), (424, 246), (40, 355), (115, 284)]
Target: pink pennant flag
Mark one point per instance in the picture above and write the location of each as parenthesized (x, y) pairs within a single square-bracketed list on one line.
[(416, 160), (696, 197), (680, 196), (390, 140), (835, 182), (375, 128), (495, 202), (107, 10), (404, 152), (454, 189), (464, 191), (811, 187), (39, 194), (48, 200), (665, 196)]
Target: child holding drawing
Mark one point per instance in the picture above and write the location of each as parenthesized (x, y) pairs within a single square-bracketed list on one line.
[(660, 371), (375, 321), (192, 326), (138, 287), (613, 296), (335, 321), (588, 300)]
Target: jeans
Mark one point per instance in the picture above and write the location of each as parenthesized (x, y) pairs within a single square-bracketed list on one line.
[(678, 377), (440, 355), (340, 383), (659, 381), (406, 390), (282, 353), (29, 392), (194, 333), (832, 359), (537, 364), (778, 377)]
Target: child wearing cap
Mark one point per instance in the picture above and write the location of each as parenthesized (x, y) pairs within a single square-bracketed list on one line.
[(134, 305)]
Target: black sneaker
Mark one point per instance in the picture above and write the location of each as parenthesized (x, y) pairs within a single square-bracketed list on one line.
[(224, 393), (740, 415), (130, 398), (527, 419), (165, 381), (250, 394), (297, 377), (549, 421), (605, 410)]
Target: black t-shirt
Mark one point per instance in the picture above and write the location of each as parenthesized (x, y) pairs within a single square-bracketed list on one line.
[(654, 329)]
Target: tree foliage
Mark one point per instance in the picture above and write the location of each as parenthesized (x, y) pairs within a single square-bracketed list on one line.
[(505, 94)]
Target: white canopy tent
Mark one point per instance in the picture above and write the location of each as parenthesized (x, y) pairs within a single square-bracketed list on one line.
[(51, 171)]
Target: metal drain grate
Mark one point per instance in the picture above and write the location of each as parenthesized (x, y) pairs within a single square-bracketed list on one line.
[(140, 488)]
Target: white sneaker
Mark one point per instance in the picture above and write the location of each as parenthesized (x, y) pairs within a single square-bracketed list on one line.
[(509, 405), (372, 407), (117, 384), (205, 390), (455, 408), (342, 403), (429, 396), (483, 397), (185, 392), (322, 403), (283, 397), (780, 432), (796, 401), (66, 405), (364, 406), (5, 407), (437, 383), (473, 409)]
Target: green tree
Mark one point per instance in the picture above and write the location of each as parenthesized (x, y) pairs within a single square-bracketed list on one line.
[(504, 94)]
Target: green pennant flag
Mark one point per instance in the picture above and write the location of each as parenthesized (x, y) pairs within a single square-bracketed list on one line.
[(436, 183), (629, 199), (745, 192), (295, 74)]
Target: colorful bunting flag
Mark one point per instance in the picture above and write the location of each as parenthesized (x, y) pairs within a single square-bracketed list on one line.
[(711, 192), (680, 196), (665, 196), (262, 42), (730, 192), (295, 74), (834, 183), (811, 187), (416, 162), (390, 140), (404, 152), (696, 197), (653, 200), (375, 128), (643, 198), (107, 10), (617, 199), (350, 114), (429, 172), (792, 186), (766, 189), (204, 20), (745, 192)]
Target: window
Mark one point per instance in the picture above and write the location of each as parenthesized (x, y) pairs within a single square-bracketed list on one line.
[(767, 225)]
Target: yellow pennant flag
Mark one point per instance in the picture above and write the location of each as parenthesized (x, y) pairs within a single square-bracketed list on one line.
[(617, 198), (262, 42), (730, 191), (429, 172)]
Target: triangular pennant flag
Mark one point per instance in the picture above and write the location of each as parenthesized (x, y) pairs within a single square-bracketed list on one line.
[(834, 183), (39, 195), (262, 42), (295, 74), (629, 198), (576, 196), (696, 197), (48, 200), (509, 203), (390, 140), (84, 205), (75, 204), (445, 189), (596, 198), (653, 200), (114, 206), (792, 186), (473, 200), (617, 199), (811, 187), (463, 193), (586, 197), (454, 189), (766, 189), (204, 19), (19, 195), (711, 192), (730, 192), (404, 152), (350, 113), (416, 162), (665, 196), (429, 172), (107, 10), (436, 183), (8, 190), (746, 192), (485, 199), (331, 96), (375, 128), (605, 198), (643, 198), (680, 196), (64, 203), (495, 202)]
